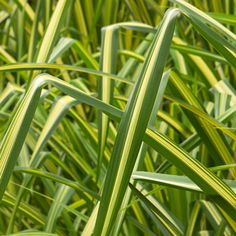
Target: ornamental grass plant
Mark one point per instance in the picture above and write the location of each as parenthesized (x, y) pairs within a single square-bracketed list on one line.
[(117, 117)]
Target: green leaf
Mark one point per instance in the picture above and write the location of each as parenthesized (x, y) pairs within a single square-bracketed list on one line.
[(105, 85), (168, 224), (192, 168), (35, 66), (175, 181), (22, 118), (61, 198), (132, 126)]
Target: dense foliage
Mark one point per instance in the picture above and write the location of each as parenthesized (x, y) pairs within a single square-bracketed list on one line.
[(117, 117)]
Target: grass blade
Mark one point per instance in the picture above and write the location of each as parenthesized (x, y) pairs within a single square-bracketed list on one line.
[(168, 225), (22, 118), (132, 127), (105, 85), (51, 33), (62, 196), (175, 181), (204, 178)]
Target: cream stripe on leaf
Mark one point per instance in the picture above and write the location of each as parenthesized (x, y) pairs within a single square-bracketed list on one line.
[(133, 125), (11, 145), (107, 65)]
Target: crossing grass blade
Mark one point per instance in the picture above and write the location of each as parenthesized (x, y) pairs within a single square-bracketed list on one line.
[(149, 138), (50, 129), (105, 85), (62, 196), (25, 209), (51, 33), (209, 182), (132, 127), (215, 218), (142, 151), (58, 179), (214, 138), (192, 11), (37, 66), (170, 227), (22, 118), (175, 181)]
